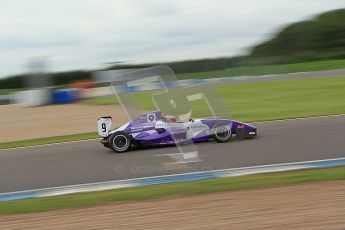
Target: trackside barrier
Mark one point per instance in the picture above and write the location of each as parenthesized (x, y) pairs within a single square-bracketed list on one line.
[(103, 91), (91, 187)]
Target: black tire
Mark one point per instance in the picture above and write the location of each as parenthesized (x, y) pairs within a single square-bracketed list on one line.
[(120, 142), (222, 133)]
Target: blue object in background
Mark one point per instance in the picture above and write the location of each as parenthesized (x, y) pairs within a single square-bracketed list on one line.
[(63, 96)]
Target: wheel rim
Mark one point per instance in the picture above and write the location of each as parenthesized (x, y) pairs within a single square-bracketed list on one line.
[(120, 142), (223, 133)]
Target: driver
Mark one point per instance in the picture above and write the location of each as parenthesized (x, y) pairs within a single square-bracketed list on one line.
[(169, 119)]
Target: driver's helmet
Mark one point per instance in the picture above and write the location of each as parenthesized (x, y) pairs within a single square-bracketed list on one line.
[(169, 119)]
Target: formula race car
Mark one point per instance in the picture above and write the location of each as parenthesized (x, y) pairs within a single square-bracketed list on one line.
[(153, 129)]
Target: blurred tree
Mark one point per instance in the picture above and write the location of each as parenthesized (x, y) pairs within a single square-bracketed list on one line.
[(322, 37)]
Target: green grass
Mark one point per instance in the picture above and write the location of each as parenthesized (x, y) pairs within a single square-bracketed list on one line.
[(246, 102), (171, 190), (268, 69), (47, 140), (285, 99), (8, 91), (266, 100)]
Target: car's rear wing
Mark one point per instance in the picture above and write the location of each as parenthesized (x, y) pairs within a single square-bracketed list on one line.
[(104, 125)]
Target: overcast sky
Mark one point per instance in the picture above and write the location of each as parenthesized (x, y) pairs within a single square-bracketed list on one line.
[(86, 34)]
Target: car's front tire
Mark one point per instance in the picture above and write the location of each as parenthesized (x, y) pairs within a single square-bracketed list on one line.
[(222, 133), (120, 141)]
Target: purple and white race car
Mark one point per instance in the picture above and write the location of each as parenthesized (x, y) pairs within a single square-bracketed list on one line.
[(153, 129)]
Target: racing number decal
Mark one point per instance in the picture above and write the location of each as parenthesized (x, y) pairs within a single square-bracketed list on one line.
[(104, 127), (104, 124)]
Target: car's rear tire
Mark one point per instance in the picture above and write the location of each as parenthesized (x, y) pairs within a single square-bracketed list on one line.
[(222, 133), (120, 141)]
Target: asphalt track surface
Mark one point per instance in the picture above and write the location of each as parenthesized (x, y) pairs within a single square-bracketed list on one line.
[(88, 161)]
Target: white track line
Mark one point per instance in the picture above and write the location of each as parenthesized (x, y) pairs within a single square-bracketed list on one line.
[(58, 143), (175, 175), (297, 118), (256, 122)]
